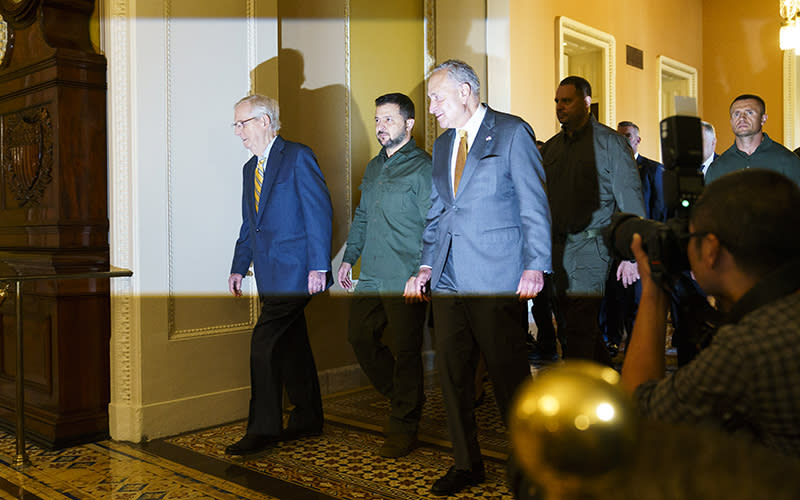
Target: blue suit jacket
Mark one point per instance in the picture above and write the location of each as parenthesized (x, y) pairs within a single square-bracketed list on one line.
[(499, 222), (652, 174), (291, 234)]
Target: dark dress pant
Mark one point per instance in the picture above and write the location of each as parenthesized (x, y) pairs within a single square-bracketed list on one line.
[(467, 326), (386, 336), (618, 310), (280, 356), (581, 327), (582, 266), (542, 311)]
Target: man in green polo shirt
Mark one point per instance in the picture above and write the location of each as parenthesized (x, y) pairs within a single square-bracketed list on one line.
[(753, 148), (387, 234)]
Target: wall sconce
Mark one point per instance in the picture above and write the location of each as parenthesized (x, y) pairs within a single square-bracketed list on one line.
[(790, 29)]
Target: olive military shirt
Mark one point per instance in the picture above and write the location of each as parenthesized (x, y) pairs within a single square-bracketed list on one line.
[(769, 154), (389, 220)]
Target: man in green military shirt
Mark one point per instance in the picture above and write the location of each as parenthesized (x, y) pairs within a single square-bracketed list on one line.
[(387, 234), (752, 147)]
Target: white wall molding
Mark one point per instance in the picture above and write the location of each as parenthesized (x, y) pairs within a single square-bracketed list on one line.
[(790, 119), (667, 67), (430, 62), (570, 28), (118, 46)]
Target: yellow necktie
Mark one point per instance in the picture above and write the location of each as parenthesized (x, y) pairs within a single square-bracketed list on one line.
[(259, 178), (461, 159)]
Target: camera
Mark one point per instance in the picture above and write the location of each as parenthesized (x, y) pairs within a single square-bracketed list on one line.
[(682, 151), (660, 240), (694, 320)]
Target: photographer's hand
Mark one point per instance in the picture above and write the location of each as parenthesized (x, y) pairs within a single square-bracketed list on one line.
[(644, 359)]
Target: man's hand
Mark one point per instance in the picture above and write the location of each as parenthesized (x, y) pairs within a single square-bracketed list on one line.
[(627, 272), (235, 284), (344, 276), (415, 286), (316, 281), (530, 284)]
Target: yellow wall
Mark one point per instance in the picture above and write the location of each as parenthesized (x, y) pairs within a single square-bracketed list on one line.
[(387, 55), (673, 29), (741, 56)]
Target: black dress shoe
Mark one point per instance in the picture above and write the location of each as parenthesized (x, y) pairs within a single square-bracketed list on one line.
[(457, 479), (250, 444)]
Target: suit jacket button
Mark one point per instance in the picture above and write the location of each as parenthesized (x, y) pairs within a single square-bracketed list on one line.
[(258, 230)]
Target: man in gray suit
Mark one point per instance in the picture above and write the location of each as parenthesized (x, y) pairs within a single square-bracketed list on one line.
[(486, 247)]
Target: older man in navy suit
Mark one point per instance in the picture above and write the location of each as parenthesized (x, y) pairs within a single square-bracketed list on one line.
[(286, 234), (486, 247)]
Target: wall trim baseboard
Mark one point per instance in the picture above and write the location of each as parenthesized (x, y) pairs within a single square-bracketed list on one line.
[(168, 418)]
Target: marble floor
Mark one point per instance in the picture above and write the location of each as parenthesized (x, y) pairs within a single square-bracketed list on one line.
[(340, 464)]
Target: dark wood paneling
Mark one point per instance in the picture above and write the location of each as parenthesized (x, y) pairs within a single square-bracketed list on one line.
[(53, 218)]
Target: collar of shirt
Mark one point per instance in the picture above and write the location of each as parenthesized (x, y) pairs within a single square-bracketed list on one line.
[(765, 143), (267, 150), (411, 144), (472, 126), (704, 166), (577, 134)]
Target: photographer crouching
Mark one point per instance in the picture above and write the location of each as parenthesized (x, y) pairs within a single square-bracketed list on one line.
[(744, 249)]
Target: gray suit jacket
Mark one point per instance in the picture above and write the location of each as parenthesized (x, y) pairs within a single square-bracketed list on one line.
[(499, 222), (582, 259)]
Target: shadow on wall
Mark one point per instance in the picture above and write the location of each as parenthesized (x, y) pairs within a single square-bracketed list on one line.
[(316, 118)]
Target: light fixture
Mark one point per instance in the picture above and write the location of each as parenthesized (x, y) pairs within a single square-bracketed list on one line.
[(790, 29)]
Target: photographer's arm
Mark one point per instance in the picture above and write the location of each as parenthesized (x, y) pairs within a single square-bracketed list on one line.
[(644, 359)]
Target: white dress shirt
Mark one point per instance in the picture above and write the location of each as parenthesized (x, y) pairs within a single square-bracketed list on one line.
[(472, 126)]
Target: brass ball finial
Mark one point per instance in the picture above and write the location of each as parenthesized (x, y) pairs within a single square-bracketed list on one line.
[(572, 427)]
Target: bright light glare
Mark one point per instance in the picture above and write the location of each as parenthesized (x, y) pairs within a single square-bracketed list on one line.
[(605, 412)]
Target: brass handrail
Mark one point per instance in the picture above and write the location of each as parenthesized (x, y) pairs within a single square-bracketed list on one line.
[(21, 458)]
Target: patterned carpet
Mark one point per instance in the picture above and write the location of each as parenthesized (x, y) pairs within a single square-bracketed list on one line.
[(342, 463), (366, 409)]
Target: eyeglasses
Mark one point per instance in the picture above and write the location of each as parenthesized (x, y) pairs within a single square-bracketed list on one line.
[(240, 124)]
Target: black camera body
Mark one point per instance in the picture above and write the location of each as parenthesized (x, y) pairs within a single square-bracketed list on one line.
[(694, 320), (682, 152), (660, 240)]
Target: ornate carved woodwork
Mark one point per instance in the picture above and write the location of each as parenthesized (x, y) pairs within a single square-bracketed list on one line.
[(53, 218), (28, 153)]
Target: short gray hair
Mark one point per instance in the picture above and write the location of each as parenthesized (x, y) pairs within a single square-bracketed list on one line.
[(707, 127), (263, 105), (461, 72)]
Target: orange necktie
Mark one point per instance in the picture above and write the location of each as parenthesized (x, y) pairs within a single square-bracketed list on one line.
[(461, 159)]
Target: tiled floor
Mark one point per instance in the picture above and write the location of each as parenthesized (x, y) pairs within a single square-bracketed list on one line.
[(342, 463), (106, 470)]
